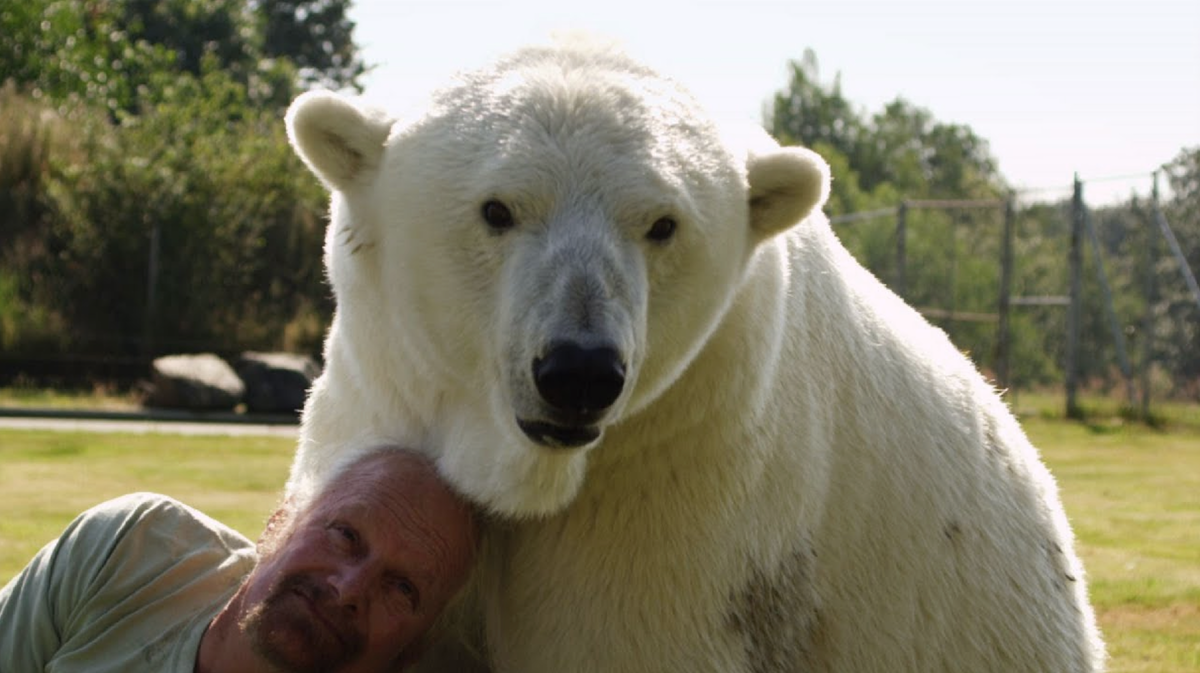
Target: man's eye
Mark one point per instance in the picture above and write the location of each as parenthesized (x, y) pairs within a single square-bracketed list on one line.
[(344, 533), (408, 590)]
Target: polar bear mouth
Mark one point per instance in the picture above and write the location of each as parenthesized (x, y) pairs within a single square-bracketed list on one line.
[(559, 436)]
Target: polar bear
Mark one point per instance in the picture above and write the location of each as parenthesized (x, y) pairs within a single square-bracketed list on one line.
[(708, 438)]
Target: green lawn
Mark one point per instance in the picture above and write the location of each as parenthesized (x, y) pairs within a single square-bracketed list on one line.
[(46, 478), (1133, 496), (92, 399), (1132, 492)]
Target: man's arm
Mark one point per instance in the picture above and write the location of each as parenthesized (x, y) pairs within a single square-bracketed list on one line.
[(31, 636), (38, 607)]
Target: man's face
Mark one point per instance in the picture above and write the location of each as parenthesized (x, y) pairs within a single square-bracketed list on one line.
[(362, 573)]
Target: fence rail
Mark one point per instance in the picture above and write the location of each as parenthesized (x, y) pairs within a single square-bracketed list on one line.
[(1080, 227), (135, 351)]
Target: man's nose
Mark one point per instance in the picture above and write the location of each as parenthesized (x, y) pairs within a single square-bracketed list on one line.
[(350, 583)]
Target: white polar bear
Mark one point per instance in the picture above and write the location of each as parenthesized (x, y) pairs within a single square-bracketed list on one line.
[(713, 441)]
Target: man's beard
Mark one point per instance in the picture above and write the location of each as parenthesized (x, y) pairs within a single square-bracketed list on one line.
[(284, 631)]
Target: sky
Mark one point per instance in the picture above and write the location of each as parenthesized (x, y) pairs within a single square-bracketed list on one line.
[(1106, 89)]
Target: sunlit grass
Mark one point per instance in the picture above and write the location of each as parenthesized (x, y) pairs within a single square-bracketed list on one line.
[(1133, 496), (92, 398), (1132, 493), (46, 478)]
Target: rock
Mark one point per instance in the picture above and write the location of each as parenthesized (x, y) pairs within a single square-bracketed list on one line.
[(197, 382), (276, 382)]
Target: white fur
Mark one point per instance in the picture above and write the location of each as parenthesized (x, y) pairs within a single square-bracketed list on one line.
[(800, 473)]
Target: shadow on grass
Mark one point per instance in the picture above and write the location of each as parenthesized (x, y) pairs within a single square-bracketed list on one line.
[(1104, 415)]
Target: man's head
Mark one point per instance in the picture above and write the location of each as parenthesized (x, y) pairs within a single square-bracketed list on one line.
[(352, 579)]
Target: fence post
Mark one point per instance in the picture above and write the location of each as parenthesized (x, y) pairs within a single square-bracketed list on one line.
[(901, 235), (1074, 263), (1114, 324), (1002, 332), (1180, 258), (1146, 360)]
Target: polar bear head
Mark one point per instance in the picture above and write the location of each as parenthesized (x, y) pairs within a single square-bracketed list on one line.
[(542, 252)]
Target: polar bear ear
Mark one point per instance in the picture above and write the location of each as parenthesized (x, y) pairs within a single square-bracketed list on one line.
[(786, 184), (338, 140)]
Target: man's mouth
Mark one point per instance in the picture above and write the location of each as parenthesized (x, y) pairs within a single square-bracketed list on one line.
[(309, 596)]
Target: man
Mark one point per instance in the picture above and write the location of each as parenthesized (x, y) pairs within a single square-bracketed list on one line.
[(349, 581)]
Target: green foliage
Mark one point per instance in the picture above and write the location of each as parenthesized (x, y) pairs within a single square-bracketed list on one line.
[(27, 145), (1040, 242), (901, 152), (238, 221), (148, 197), (75, 51), (317, 36), (1177, 324), (24, 156), (193, 30), (115, 53)]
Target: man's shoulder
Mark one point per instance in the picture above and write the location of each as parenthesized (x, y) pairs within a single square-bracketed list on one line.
[(143, 510), (129, 585), (139, 503), (114, 534), (119, 516)]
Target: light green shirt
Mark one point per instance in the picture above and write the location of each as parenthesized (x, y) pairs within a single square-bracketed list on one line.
[(130, 586)]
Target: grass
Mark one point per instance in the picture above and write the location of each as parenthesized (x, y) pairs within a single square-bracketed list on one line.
[(46, 478), (1133, 496), (1132, 493), (23, 395)]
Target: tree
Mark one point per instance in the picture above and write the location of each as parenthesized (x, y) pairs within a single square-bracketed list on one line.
[(317, 36), (108, 51), (209, 179), (72, 51), (805, 113), (900, 151), (1177, 324), (903, 153), (192, 30), (139, 130)]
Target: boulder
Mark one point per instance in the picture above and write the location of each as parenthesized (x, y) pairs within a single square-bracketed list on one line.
[(201, 382), (276, 382)]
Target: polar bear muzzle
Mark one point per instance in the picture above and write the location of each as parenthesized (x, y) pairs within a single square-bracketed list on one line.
[(555, 436), (579, 383)]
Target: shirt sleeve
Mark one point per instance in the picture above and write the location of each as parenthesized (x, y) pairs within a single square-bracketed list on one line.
[(40, 604), (30, 637)]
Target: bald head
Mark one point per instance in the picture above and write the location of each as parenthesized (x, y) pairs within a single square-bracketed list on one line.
[(406, 483), (377, 552)]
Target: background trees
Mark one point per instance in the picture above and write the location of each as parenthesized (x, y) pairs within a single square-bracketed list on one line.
[(148, 198), (899, 152), (149, 201), (903, 153), (1177, 317), (316, 36)]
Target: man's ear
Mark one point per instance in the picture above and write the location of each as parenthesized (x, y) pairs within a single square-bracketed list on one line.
[(341, 142), (786, 185), (276, 527)]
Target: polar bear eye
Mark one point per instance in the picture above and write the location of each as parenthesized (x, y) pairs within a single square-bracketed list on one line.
[(497, 215), (662, 229)]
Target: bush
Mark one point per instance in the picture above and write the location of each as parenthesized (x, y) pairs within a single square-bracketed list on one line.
[(239, 222)]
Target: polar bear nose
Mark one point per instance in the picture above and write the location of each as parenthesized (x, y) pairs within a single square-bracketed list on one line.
[(579, 380)]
